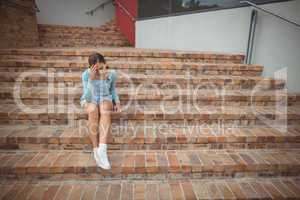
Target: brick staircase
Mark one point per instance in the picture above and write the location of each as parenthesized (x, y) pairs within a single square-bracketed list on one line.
[(73, 36), (221, 136)]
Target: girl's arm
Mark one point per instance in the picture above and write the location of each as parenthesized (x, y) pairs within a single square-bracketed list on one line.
[(113, 91), (85, 79)]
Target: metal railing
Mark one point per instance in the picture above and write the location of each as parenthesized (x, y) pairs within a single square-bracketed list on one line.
[(102, 6), (253, 26), (271, 13), (14, 4), (251, 37), (116, 3)]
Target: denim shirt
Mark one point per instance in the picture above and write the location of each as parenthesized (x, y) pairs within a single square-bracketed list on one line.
[(87, 93)]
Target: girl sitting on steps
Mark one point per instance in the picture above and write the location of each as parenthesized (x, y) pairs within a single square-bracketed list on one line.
[(99, 98)]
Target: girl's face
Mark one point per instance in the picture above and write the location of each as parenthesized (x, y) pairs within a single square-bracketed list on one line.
[(101, 66)]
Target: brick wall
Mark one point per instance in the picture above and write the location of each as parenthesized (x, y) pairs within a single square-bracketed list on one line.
[(18, 25)]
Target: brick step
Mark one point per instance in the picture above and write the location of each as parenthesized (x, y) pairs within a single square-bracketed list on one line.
[(142, 81), (92, 40), (54, 28), (95, 40), (74, 36), (77, 36), (48, 33), (63, 42), (81, 31), (114, 59), (62, 114), (144, 102), (82, 43), (68, 45), (140, 164), (65, 30), (205, 189), (179, 68), (76, 30), (41, 95), (151, 137), (86, 44), (121, 53)]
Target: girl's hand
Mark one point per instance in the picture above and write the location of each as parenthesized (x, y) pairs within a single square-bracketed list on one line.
[(93, 72), (117, 107)]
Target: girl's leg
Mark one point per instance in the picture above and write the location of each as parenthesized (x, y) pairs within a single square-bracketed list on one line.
[(105, 108), (93, 118), (104, 127)]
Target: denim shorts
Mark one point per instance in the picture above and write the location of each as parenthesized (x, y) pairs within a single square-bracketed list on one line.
[(98, 99)]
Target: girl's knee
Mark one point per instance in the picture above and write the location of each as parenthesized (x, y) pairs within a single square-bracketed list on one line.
[(91, 108), (93, 113)]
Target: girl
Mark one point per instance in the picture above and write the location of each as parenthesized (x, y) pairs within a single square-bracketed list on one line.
[(99, 98)]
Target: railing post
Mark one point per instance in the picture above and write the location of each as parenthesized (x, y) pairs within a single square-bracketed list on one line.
[(251, 37)]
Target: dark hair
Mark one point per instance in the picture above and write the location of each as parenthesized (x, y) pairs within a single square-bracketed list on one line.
[(96, 57)]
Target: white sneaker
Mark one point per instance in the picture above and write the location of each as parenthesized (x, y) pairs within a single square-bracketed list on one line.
[(96, 157), (102, 155)]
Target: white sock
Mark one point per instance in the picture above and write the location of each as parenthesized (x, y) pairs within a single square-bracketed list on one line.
[(95, 149), (102, 146), (96, 157), (103, 156)]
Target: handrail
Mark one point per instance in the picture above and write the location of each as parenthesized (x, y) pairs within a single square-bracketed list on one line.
[(36, 7), (102, 5), (125, 10), (271, 13), (14, 4), (251, 37)]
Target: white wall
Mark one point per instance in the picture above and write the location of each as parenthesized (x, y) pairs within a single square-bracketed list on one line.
[(72, 12), (277, 44), (201, 31)]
